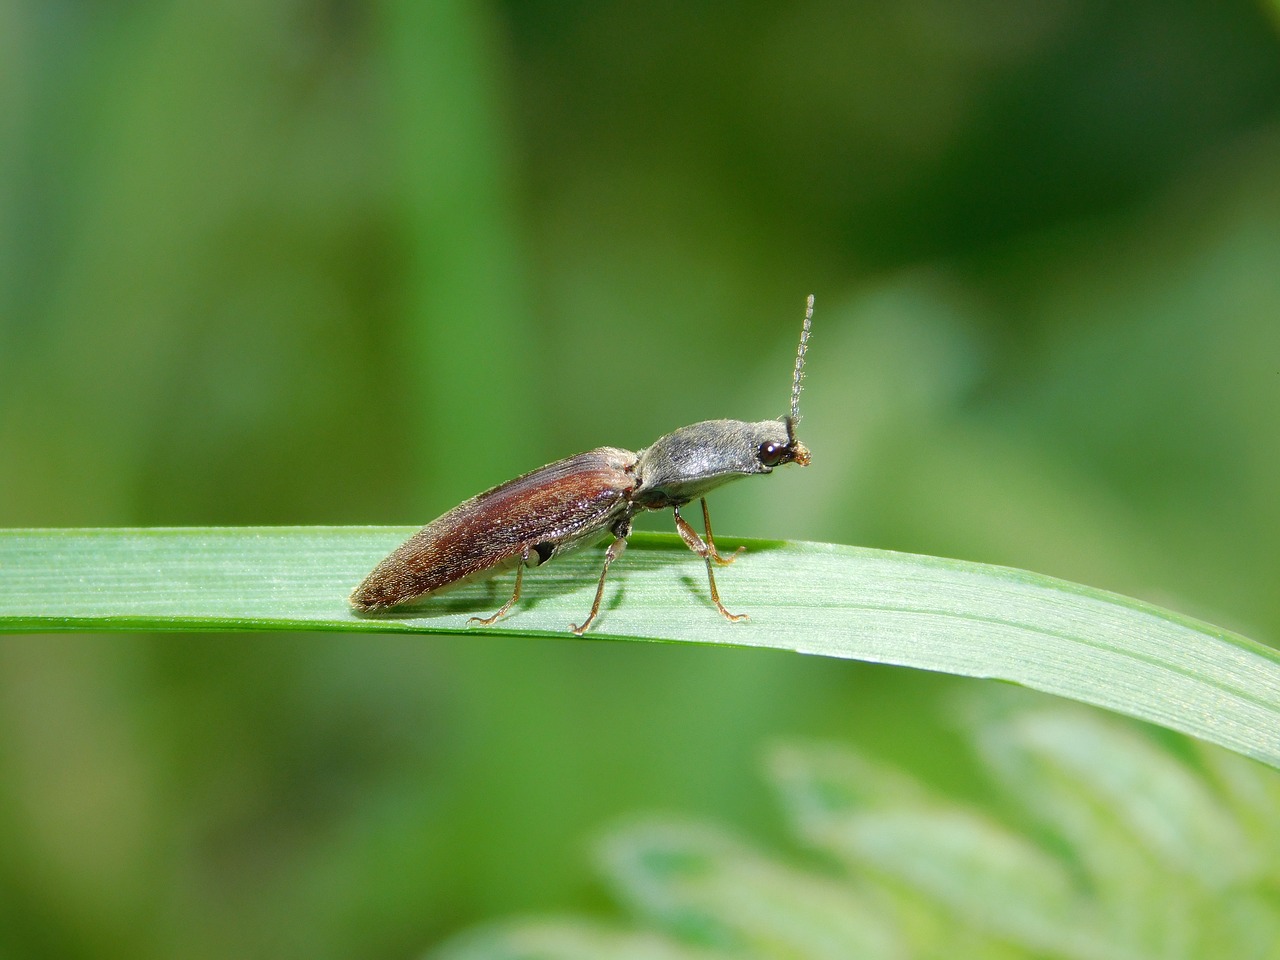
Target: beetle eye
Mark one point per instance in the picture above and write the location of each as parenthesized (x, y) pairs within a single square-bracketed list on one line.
[(772, 454)]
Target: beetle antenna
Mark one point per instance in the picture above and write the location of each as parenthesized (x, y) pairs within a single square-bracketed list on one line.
[(797, 378)]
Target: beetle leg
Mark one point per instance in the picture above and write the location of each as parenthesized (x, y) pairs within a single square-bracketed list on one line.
[(706, 552), (703, 548), (610, 555), (490, 621), (711, 544)]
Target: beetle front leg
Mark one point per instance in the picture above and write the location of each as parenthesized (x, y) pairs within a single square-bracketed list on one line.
[(707, 552), (490, 621), (711, 543), (703, 548)]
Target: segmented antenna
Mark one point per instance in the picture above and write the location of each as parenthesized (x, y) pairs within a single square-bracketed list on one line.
[(797, 378)]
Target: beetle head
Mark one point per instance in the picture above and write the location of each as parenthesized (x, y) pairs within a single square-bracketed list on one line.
[(771, 453)]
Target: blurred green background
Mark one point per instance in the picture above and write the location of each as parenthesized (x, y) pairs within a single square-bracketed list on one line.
[(323, 262)]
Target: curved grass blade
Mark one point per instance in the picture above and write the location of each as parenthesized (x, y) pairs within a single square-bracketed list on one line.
[(945, 615)]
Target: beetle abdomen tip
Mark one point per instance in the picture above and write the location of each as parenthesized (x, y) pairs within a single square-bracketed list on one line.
[(368, 598)]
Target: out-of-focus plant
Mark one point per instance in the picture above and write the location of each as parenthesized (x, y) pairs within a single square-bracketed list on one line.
[(1114, 846)]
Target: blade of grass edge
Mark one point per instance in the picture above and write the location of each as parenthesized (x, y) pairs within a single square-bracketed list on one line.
[(950, 616)]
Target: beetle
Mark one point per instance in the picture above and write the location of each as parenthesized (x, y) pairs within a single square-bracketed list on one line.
[(576, 501)]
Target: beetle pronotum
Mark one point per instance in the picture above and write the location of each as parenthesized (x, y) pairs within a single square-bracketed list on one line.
[(574, 502)]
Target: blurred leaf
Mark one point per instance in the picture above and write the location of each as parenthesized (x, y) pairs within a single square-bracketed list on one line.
[(1100, 888), (567, 940), (704, 887), (923, 876), (1172, 866), (1082, 777), (944, 615), (983, 873)]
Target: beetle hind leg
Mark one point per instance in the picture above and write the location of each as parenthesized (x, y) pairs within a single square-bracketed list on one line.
[(490, 621)]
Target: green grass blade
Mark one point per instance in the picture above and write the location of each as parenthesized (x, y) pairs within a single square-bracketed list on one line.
[(944, 615)]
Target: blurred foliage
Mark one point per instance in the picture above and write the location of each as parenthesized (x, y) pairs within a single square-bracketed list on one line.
[(1119, 850), (312, 261)]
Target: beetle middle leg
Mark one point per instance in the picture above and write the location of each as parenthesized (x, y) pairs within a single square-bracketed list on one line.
[(613, 553), (706, 549), (490, 621)]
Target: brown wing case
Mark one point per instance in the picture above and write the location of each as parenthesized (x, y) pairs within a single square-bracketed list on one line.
[(567, 500)]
